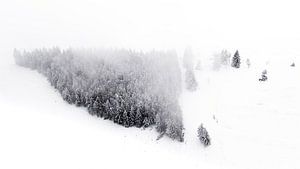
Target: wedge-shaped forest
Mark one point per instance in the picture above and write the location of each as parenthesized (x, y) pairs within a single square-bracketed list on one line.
[(127, 87)]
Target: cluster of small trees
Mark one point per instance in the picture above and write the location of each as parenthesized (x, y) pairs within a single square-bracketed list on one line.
[(127, 87), (221, 59)]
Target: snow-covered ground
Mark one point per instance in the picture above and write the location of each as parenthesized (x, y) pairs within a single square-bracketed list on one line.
[(256, 123)]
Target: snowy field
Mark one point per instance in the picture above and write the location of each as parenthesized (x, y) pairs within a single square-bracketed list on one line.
[(256, 123)]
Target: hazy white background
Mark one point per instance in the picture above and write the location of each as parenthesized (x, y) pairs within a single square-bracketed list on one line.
[(150, 24), (258, 122)]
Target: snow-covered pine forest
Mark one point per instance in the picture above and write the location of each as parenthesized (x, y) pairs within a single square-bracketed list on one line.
[(127, 87)]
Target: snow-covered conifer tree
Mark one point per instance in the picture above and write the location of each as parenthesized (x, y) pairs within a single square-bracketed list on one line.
[(203, 136), (236, 60), (190, 80)]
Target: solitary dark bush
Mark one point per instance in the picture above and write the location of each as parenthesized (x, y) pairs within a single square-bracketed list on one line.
[(203, 136), (129, 88)]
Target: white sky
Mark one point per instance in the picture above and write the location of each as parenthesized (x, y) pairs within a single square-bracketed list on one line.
[(150, 24)]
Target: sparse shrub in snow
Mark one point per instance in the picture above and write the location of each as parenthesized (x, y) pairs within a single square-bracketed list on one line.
[(264, 72), (221, 59), (203, 136), (214, 117), (236, 60), (293, 64), (248, 63), (129, 88), (190, 80), (264, 76)]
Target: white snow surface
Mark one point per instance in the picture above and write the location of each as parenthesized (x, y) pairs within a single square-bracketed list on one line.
[(256, 123)]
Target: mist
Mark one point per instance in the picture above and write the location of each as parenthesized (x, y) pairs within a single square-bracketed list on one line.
[(205, 25)]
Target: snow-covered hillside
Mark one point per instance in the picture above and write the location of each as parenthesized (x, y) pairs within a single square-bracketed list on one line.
[(40, 130), (252, 124), (255, 124)]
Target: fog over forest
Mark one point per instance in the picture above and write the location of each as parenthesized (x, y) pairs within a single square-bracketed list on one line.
[(130, 88), (146, 84)]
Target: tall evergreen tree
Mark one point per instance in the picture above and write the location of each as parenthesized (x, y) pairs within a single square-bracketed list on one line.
[(236, 60), (125, 119), (96, 107), (138, 118), (131, 116), (188, 64)]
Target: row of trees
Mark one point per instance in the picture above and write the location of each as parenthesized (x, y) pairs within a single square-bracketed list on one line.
[(127, 87), (223, 59)]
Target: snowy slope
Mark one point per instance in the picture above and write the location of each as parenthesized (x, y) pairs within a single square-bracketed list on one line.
[(255, 122), (40, 130), (255, 125)]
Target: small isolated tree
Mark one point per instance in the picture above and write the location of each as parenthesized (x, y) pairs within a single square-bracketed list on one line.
[(248, 63), (203, 136), (293, 64), (190, 80), (236, 60), (264, 76)]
